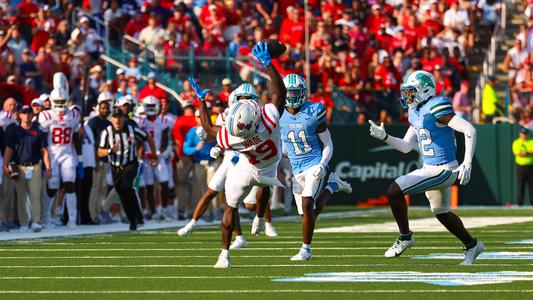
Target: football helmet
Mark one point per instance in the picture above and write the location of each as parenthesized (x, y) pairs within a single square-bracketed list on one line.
[(246, 91), (296, 90), (232, 99), (58, 99), (151, 105), (60, 82), (417, 87), (243, 119)]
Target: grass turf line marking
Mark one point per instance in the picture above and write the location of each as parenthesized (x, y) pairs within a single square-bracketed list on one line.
[(468, 291), (178, 256), (133, 277)]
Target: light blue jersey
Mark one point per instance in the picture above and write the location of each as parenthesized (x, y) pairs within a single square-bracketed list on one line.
[(436, 141), (300, 136)]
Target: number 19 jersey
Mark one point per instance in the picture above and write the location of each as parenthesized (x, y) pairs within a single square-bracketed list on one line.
[(299, 134), (262, 149), (436, 141), (60, 127)]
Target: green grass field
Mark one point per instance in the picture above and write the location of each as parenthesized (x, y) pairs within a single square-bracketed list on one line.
[(161, 265)]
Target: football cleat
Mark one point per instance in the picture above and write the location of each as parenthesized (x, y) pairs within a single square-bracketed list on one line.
[(258, 225), (36, 227), (472, 253), (304, 254), (239, 243), (223, 262), (399, 247), (187, 229), (343, 186), (270, 230)]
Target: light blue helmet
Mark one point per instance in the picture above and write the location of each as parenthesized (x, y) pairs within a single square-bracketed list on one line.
[(246, 91), (296, 90)]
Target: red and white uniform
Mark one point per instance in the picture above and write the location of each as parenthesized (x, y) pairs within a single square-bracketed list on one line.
[(60, 126), (170, 120), (260, 155), (155, 128), (7, 118)]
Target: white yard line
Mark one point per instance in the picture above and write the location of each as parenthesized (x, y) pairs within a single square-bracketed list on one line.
[(240, 250), (178, 256), (351, 291)]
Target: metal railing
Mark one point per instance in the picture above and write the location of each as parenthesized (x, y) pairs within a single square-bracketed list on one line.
[(490, 63)]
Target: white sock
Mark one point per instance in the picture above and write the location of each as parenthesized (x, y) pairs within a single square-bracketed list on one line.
[(224, 252), (306, 247), (48, 202), (239, 238), (71, 207), (158, 210), (193, 222), (61, 208), (268, 224)]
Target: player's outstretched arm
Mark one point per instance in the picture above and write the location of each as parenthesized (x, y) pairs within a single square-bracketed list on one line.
[(461, 125), (277, 87), (205, 118), (404, 145)]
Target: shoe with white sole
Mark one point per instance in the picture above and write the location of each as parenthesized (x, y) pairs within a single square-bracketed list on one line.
[(472, 253), (36, 227), (399, 247), (223, 262), (270, 230), (258, 225), (302, 255), (187, 229), (72, 225), (343, 185), (239, 243)]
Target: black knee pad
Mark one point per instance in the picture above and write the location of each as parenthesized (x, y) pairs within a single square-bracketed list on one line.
[(69, 187)]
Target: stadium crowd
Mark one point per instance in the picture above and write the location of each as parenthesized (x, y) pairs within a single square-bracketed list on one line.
[(363, 48)]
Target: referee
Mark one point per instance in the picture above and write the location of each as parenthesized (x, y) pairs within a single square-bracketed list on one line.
[(119, 142)]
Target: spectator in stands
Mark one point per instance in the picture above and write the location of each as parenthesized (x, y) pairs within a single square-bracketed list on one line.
[(226, 90), (30, 92), (17, 44), (292, 30), (37, 106), (461, 104), (325, 99), (151, 34), (514, 59), (151, 89), (27, 12), (490, 104)]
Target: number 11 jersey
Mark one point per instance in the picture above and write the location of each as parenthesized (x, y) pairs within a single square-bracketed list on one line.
[(299, 134)]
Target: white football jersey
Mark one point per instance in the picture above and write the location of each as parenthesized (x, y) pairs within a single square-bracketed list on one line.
[(262, 149), (155, 129), (60, 127), (170, 119), (7, 118)]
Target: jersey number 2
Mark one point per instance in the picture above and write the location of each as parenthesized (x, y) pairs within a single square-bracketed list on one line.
[(61, 135), (301, 134), (268, 148), (425, 141)]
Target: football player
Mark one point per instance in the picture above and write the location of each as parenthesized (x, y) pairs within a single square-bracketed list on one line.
[(253, 131), (244, 92), (433, 123), (168, 158), (60, 123), (158, 129), (307, 142)]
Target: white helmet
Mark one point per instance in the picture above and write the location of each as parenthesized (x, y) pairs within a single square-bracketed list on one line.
[(139, 111), (60, 82), (58, 99), (151, 105), (104, 96), (243, 119), (232, 99), (417, 87), (247, 91), (296, 90)]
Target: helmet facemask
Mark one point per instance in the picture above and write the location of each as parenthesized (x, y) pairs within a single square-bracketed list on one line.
[(295, 98)]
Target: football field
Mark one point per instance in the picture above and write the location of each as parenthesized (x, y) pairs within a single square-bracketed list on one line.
[(348, 262)]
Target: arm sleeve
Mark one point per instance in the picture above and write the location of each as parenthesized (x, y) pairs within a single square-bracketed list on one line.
[(406, 144), (321, 114), (189, 146), (103, 140), (461, 125), (327, 150), (441, 107), (140, 134)]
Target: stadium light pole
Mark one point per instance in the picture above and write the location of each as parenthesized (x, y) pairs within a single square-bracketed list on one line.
[(307, 67)]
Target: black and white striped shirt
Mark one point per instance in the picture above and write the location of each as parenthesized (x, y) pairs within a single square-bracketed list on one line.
[(127, 138)]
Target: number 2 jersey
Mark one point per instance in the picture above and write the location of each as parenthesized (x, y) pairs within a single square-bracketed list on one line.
[(299, 134), (60, 126), (436, 141), (262, 149)]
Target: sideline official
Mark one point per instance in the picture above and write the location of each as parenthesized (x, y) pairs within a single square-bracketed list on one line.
[(119, 143), (523, 151)]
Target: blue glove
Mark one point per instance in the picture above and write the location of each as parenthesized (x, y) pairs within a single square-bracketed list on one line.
[(260, 51), (199, 93)]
